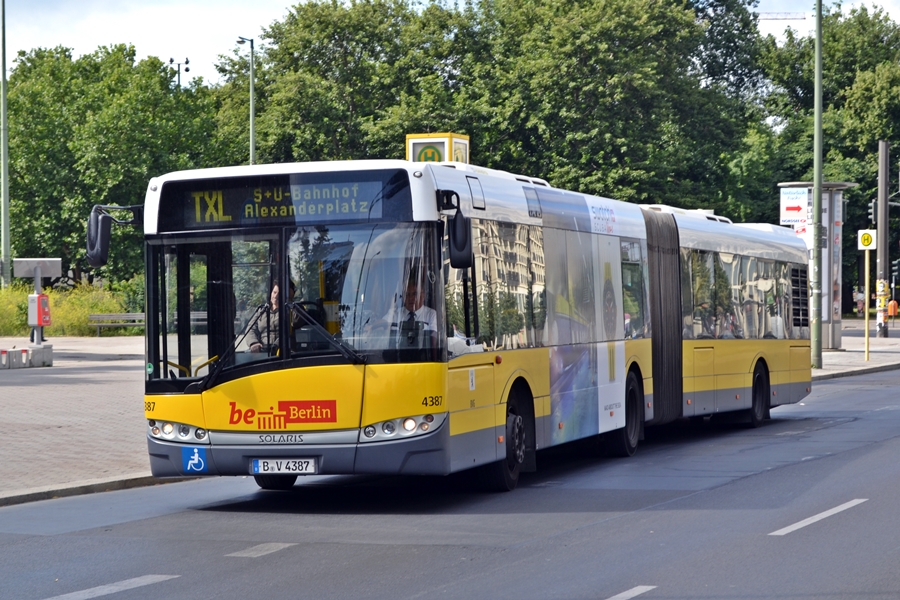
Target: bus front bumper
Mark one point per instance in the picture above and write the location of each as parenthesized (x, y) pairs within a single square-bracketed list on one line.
[(421, 455)]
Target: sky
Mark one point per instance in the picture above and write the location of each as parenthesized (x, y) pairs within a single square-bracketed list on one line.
[(201, 30)]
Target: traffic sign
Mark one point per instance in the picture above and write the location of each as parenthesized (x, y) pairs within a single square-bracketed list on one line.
[(794, 206), (867, 239)]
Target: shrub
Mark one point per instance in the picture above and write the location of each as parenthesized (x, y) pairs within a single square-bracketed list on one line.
[(14, 310), (69, 310)]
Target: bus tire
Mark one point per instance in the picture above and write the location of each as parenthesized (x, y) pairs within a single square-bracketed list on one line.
[(503, 475), (275, 482), (760, 405), (624, 442)]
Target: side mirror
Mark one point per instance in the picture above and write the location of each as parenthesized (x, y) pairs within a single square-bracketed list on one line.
[(447, 200), (98, 230), (98, 233), (460, 234)]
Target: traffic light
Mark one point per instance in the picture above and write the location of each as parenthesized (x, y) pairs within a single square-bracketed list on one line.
[(895, 268), (873, 211)]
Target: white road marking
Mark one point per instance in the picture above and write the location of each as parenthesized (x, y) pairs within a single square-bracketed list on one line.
[(635, 591), (819, 517), (261, 550), (112, 588)]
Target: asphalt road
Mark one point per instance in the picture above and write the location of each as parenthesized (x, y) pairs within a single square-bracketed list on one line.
[(803, 507)]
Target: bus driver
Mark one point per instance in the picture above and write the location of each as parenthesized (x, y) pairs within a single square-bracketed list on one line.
[(413, 309)]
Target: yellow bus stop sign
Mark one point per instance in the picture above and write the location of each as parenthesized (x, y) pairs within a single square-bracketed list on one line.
[(867, 239), (429, 153)]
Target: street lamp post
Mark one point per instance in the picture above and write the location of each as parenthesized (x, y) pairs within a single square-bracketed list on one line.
[(5, 261), (242, 40), (815, 321), (187, 69)]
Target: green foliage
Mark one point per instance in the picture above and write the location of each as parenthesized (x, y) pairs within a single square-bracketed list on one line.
[(93, 131), (69, 310), (130, 293), (14, 310), (675, 103), (861, 86)]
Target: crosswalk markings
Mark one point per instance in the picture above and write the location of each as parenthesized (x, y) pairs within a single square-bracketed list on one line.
[(112, 588)]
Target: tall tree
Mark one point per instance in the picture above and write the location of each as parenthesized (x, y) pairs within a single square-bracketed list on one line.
[(94, 130)]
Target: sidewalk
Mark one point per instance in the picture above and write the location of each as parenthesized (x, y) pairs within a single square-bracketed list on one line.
[(884, 353), (78, 427)]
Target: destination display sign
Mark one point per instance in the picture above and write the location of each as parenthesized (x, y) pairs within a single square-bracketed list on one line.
[(286, 200)]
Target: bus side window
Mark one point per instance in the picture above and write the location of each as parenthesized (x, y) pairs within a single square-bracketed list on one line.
[(702, 282), (633, 313), (687, 296), (729, 296)]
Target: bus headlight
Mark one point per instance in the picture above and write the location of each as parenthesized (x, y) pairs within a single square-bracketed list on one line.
[(401, 428), (176, 432)]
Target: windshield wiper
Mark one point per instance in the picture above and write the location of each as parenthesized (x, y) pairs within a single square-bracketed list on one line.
[(208, 381), (348, 352)]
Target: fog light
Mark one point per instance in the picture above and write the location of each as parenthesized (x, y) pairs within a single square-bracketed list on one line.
[(388, 428), (409, 424), (184, 431), (168, 428), (200, 434), (424, 426), (369, 431), (155, 430)]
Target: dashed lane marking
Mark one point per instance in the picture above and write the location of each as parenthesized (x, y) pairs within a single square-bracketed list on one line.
[(260, 550), (635, 591), (819, 517), (112, 588)]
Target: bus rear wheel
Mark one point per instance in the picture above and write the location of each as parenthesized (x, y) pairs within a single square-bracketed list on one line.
[(760, 407), (503, 475), (275, 482), (624, 442)]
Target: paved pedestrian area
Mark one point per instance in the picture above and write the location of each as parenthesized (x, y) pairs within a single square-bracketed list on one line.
[(78, 426)]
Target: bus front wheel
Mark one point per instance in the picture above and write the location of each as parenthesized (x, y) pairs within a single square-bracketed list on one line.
[(624, 442), (503, 475), (275, 482)]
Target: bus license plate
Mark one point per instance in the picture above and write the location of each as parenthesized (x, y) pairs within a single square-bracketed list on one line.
[(287, 466)]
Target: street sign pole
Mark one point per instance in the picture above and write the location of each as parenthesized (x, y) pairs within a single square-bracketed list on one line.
[(867, 240), (866, 305), (882, 256)]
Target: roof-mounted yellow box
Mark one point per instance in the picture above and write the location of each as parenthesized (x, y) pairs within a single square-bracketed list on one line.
[(437, 147)]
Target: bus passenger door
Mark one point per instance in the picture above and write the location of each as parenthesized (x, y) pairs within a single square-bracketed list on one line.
[(471, 405)]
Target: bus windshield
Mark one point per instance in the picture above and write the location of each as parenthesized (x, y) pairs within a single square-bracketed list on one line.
[(314, 294)]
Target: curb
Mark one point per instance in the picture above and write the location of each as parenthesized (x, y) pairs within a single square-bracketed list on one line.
[(79, 489), (860, 371)]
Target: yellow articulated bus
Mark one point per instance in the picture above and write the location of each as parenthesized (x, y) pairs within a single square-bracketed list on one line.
[(425, 318)]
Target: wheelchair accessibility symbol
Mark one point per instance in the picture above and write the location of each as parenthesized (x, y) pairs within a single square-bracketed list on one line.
[(193, 460)]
